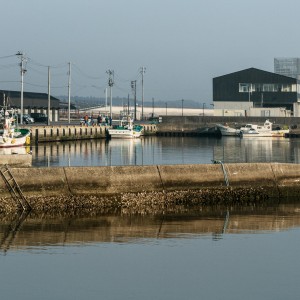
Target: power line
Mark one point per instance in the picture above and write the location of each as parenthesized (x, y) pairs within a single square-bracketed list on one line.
[(7, 56), (62, 65), (86, 75)]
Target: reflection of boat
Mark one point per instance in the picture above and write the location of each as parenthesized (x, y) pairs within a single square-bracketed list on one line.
[(10, 136), (126, 129), (15, 150), (228, 131)]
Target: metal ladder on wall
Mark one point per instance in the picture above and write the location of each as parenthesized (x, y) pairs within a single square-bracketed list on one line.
[(14, 188)]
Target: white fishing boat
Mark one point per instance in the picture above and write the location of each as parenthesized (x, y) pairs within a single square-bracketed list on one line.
[(265, 130), (271, 133), (250, 130), (10, 135), (126, 129)]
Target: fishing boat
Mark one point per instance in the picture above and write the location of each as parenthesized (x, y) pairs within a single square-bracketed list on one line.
[(271, 133), (265, 130), (10, 135), (126, 129), (227, 130)]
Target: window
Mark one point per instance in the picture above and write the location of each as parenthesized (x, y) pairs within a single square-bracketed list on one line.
[(265, 113), (244, 87)]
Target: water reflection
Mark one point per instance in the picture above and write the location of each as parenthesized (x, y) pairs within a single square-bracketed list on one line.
[(15, 150), (263, 149), (23, 231), (166, 150)]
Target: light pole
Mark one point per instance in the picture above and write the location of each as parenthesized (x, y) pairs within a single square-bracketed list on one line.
[(166, 108), (203, 105), (182, 107)]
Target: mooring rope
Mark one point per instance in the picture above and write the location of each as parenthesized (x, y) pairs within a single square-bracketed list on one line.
[(223, 169)]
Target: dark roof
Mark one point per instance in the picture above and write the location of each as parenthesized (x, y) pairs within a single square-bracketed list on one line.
[(30, 99), (254, 71), (28, 95)]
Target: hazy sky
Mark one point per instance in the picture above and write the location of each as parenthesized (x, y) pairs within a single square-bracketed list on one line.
[(182, 43)]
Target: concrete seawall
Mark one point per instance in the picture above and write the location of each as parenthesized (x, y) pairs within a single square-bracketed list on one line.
[(137, 183), (58, 133)]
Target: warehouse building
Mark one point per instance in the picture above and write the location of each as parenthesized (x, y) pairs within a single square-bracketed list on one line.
[(32, 102), (254, 92)]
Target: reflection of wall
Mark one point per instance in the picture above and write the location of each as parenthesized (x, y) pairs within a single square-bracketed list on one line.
[(60, 231)]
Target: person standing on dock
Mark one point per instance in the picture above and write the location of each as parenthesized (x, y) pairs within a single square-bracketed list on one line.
[(99, 119), (86, 120)]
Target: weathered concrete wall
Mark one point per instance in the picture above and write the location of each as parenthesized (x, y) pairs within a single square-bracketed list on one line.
[(183, 125), (275, 179), (65, 132), (44, 133)]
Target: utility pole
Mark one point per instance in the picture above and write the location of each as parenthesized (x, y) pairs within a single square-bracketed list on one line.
[(182, 107), (143, 70), (49, 98), (69, 94), (166, 108), (23, 71), (133, 87), (110, 84)]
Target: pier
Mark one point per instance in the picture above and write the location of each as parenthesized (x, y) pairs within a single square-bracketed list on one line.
[(60, 133)]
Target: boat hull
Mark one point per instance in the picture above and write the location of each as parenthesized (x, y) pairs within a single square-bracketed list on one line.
[(272, 133), (124, 134), (228, 131), (21, 138)]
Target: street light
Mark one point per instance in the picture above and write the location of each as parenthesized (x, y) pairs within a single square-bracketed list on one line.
[(166, 108), (203, 105), (182, 107)]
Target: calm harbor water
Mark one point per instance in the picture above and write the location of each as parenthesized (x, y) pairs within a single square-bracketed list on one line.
[(166, 150), (200, 253)]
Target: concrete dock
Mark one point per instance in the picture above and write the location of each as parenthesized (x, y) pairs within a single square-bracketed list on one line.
[(119, 186), (60, 133)]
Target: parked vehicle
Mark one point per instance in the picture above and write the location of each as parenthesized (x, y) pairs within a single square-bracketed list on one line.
[(40, 117), (27, 119)]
